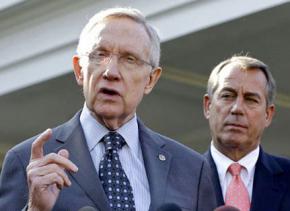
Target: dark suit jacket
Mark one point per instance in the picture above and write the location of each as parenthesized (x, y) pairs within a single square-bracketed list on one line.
[(183, 178), (271, 188)]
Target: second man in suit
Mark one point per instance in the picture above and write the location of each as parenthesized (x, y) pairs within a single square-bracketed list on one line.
[(239, 105)]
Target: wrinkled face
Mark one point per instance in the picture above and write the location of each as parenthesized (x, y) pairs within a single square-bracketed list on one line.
[(238, 111), (112, 91)]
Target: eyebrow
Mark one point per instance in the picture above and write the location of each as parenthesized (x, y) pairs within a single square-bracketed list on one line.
[(227, 89), (102, 47), (247, 94), (252, 94)]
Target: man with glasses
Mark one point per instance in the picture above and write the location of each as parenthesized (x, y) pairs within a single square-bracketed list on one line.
[(105, 157)]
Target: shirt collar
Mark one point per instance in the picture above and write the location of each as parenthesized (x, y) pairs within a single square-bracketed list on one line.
[(95, 131), (223, 162), (130, 133)]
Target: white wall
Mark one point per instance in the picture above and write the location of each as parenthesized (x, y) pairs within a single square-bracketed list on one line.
[(38, 38)]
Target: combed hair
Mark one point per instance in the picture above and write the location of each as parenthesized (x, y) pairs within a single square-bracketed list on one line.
[(86, 42), (246, 63)]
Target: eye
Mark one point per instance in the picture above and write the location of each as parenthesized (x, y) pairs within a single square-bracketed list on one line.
[(98, 54), (252, 100), (130, 59), (102, 54), (227, 95)]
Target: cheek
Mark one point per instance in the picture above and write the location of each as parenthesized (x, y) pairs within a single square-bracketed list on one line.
[(135, 89), (215, 110), (217, 116), (137, 83), (135, 93), (90, 81), (257, 121)]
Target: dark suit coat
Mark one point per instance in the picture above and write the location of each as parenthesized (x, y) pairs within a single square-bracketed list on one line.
[(271, 187), (183, 178)]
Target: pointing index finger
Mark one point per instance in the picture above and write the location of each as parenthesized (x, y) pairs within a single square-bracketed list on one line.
[(37, 145)]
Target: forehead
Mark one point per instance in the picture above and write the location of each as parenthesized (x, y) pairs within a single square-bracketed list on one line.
[(249, 80), (121, 34)]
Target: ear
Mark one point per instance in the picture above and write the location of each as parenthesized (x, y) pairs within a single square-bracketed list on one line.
[(78, 70), (153, 78), (270, 111), (206, 105)]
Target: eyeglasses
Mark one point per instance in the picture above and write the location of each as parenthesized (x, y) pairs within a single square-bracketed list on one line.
[(127, 61)]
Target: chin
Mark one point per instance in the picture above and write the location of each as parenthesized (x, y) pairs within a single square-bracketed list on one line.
[(233, 141), (107, 108), (107, 114)]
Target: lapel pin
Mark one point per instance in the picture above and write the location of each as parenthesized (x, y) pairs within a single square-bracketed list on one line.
[(161, 157)]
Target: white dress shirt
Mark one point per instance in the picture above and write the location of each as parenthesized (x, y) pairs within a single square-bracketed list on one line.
[(130, 155), (222, 163)]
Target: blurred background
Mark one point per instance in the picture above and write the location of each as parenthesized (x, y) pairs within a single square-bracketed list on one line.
[(38, 39)]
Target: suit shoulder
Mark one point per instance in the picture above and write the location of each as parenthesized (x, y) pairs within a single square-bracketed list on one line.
[(23, 148), (179, 149), (283, 162)]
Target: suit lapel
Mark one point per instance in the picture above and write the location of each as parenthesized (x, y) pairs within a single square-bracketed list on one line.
[(267, 189), (157, 163), (215, 179), (87, 178)]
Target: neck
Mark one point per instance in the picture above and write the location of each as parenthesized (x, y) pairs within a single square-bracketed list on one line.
[(234, 153), (113, 123)]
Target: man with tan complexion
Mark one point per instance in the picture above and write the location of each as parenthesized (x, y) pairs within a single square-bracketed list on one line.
[(239, 105)]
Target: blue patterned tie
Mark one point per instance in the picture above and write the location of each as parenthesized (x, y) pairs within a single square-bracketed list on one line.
[(114, 180)]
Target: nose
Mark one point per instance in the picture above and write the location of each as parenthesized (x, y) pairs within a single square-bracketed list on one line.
[(238, 106), (112, 71)]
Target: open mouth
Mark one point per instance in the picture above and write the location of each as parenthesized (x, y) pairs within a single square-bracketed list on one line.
[(109, 91)]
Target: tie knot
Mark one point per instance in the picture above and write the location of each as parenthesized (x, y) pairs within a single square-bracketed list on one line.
[(113, 141), (235, 169)]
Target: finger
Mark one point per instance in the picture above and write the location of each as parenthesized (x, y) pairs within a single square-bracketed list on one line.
[(56, 159), (47, 181), (37, 145), (64, 153), (47, 170)]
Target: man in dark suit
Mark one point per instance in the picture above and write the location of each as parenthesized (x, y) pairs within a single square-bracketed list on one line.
[(239, 105), (105, 157)]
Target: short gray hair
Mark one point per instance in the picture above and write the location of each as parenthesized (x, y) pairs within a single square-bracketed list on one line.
[(246, 63), (86, 43)]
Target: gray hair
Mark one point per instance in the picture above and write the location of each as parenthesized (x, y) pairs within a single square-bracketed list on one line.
[(86, 41), (246, 63)]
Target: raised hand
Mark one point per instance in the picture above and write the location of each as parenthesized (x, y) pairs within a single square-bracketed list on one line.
[(46, 174)]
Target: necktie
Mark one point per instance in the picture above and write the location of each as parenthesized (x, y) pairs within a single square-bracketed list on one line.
[(113, 178), (237, 194)]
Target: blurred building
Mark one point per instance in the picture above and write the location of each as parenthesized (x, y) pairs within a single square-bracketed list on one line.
[(38, 39)]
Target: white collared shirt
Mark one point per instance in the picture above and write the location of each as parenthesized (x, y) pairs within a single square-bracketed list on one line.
[(222, 163), (130, 155)]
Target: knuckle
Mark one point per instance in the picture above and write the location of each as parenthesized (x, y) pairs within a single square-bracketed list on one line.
[(54, 174), (32, 164), (54, 166), (35, 182), (29, 166), (30, 172), (51, 156)]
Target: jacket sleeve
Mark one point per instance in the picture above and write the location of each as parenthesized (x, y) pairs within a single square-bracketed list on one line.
[(13, 183), (206, 195)]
